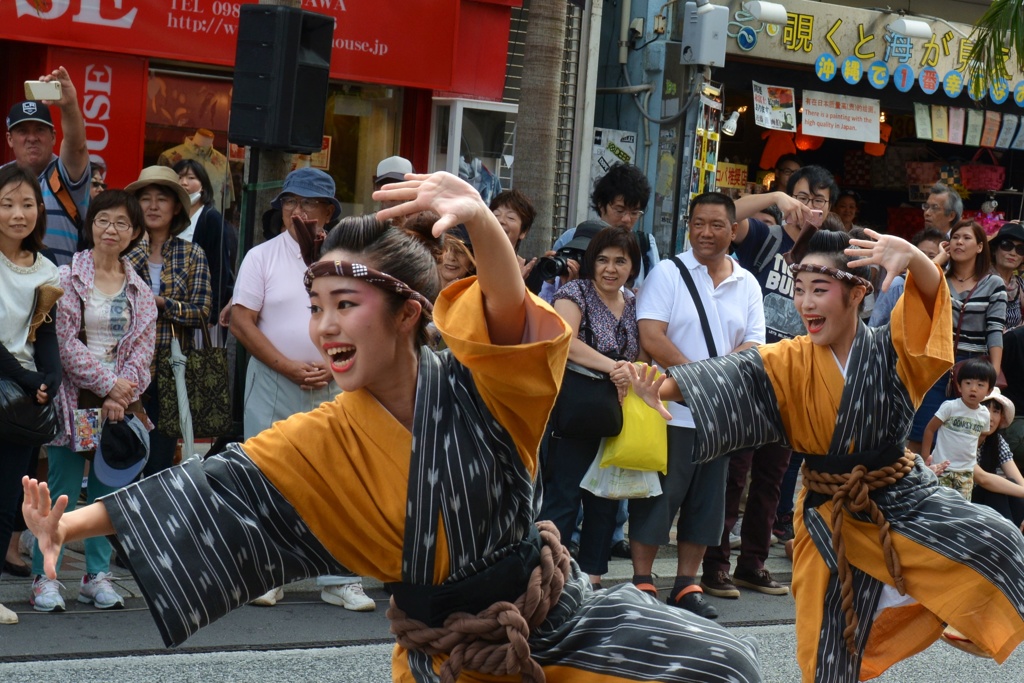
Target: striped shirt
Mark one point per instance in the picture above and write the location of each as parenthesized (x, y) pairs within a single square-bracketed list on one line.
[(982, 317)]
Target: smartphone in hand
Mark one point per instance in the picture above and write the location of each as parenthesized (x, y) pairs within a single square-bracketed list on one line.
[(817, 217), (42, 90)]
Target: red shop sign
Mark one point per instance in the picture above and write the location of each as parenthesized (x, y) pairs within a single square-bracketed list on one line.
[(112, 94), (397, 42)]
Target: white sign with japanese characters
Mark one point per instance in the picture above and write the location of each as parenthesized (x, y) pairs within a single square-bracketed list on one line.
[(840, 117)]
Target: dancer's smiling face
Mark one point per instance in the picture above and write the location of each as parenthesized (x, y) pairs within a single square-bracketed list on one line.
[(827, 306), (358, 329)]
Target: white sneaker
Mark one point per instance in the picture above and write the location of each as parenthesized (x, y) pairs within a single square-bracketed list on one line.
[(270, 598), (25, 543), (7, 616), (46, 595), (350, 596), (96, 589)]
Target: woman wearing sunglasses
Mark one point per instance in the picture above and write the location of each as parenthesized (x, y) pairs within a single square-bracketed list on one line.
[(1007, 256)]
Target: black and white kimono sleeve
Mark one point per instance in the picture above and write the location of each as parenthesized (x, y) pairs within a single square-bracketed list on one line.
[(733, 404), (210, 536)]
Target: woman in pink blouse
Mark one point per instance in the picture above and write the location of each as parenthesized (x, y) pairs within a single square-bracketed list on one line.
[(106, 331)]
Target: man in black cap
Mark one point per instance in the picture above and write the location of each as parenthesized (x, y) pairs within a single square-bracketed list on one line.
[(64, 178)]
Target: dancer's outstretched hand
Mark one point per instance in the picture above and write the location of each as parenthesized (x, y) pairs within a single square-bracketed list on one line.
[(44, 521), (450, 197), (647, 385)]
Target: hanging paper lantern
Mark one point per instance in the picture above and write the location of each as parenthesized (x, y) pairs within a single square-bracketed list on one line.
[(807, 143)]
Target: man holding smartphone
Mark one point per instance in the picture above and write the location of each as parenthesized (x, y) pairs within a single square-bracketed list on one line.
[(64, 178)]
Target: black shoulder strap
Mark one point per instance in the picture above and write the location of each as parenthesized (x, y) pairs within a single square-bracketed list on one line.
[(644, 241), (699, 303), (769, 249)]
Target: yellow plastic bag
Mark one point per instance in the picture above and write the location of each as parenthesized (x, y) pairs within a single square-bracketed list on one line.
[(643, 442)]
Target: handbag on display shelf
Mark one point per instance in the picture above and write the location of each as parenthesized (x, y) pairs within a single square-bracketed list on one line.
[(207, 379), (922, 172), (983, 177), (587, 406), (22, 420), (949, 175)]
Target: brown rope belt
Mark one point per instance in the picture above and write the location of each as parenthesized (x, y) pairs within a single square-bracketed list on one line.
[(496, 640), (851, 491)]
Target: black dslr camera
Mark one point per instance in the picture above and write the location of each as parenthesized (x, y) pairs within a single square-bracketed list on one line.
[(550, 267)]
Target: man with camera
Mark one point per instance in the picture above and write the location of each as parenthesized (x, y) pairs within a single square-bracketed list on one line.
[(64, 178), (619, 198)]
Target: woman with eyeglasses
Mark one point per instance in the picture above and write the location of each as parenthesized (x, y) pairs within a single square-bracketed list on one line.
[(177, 273), (978, 297), (106, 330), (1007, 256)]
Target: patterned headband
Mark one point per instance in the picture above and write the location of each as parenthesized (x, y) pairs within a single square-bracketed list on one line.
[(361, 272), (833, 273)]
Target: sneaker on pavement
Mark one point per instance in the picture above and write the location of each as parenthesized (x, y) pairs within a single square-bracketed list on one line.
[(760, 580), (25, 543), (719, 585), (46, 595), (621, 550), (96, 589), (783, 528), (270, 598), (350, 596), (692, 599), (7, 616)]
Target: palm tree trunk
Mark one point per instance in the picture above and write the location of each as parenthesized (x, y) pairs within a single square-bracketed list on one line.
[(537, 122)]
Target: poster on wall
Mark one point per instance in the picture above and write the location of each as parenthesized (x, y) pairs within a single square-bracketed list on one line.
[(957, 116), (1007, 132), (731, 176), (841, 117), (774, 106), (610, 147), (708, 135), (990, 131), (922, 121), (940, 123), (975, 122)]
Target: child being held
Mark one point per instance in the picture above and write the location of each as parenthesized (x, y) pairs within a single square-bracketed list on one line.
[(956, 427)]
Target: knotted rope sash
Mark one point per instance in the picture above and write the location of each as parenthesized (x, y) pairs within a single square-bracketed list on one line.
[(851, 491)]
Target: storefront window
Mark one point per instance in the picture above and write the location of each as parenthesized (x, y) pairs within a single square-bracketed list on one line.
[(187, 118), (362, 125), (485, 153)]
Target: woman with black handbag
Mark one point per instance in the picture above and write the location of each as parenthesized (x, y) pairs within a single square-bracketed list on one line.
[(106, 329), (30, 371), (602, 313)]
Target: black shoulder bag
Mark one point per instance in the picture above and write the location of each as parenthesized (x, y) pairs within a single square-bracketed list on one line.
[(587, 406)]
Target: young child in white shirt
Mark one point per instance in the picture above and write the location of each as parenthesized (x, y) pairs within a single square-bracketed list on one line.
[(956, 427)]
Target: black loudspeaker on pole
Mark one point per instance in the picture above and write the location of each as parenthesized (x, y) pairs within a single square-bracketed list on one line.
[(282, 65)]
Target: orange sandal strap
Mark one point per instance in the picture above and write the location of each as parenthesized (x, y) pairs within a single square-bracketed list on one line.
[(647, 588), (695, 588)]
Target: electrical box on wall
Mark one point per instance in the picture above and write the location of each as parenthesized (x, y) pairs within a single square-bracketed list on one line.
[(704, 35)]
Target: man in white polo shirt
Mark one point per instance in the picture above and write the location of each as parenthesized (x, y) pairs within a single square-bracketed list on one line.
[(270, 318), (671, 331)]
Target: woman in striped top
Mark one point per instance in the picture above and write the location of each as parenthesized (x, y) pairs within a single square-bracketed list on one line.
[(978, 296)]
